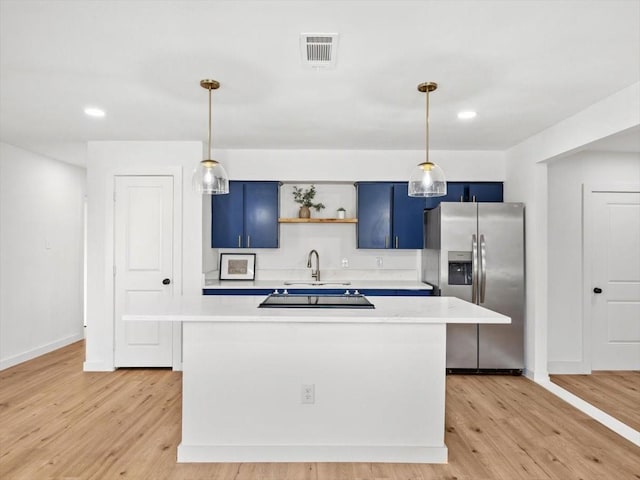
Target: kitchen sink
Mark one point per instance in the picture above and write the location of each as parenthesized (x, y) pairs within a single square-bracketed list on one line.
[(313, 284), (279, 300)]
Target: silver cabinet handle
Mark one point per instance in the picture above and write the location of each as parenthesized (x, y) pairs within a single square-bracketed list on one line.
[(386, 241), (474, 269), (462, 198), (473, 199), (239, 241), (248, 241), (396, 241), (483, 267)]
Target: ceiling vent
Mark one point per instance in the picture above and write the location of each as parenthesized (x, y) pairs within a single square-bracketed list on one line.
[(319, 50)]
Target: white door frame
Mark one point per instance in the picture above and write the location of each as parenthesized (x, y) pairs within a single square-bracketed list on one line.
[(177, 279), (588, 248)]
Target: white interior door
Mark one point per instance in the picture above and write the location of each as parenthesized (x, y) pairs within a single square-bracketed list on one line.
[(143, 229), (615, 274)]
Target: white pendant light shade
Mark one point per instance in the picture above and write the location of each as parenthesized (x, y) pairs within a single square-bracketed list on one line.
[(427, 179), (210, 177)]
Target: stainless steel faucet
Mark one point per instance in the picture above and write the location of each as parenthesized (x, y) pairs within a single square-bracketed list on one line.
[(314, 273)]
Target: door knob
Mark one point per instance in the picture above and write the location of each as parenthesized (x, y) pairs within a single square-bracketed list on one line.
[(166, 281), (597, 290)]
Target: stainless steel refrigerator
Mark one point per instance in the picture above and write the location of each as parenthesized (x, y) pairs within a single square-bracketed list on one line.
[(475, 251)]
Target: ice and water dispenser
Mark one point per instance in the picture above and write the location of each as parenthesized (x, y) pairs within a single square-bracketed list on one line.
[(460, 268)]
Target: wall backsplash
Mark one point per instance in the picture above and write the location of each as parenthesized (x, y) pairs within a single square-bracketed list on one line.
[(334, 243)]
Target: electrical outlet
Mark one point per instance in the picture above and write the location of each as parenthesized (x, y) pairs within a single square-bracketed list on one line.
[(345, 262), (308, 394)]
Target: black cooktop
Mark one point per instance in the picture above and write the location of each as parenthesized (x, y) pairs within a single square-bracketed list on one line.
[(280, 300)]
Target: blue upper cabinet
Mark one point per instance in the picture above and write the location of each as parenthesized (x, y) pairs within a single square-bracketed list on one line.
[(388, 217), (374, 214), (261, 225), (486, 192), (407, 218), (227, 221), (469, 192), (247, 217)]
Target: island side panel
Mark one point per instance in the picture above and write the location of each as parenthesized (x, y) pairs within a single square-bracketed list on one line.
[(379, 392)]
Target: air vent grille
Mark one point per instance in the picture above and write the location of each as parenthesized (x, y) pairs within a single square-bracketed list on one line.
[(319, 49)]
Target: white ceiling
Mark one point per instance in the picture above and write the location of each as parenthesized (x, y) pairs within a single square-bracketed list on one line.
[(523, 65)]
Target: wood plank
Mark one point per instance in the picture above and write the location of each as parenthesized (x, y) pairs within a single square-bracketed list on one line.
[(318, 220), (57, 421)]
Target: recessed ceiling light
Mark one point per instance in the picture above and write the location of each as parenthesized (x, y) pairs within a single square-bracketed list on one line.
[(94, 112), (466, 115)]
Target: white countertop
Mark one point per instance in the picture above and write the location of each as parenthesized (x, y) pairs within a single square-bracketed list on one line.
[(328, 284), (233, 308)]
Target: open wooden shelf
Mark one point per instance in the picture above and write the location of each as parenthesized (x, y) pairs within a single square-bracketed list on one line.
[(318, 220)]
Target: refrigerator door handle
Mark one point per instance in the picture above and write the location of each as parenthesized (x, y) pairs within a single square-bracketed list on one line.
[(483, 268), (474, 269)]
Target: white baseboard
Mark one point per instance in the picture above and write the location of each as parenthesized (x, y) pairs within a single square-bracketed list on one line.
[(36, 352), (568, 368), (535, 376), (604, 418), (98, 367), (311, 453)]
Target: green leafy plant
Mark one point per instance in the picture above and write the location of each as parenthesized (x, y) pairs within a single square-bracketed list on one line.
[(341, 209), (305, 197)]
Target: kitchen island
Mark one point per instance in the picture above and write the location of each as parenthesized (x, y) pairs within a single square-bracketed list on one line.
[(312, 384)]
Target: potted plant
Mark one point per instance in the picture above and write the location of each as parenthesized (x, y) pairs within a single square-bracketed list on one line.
[(305, 198), (341, 212)]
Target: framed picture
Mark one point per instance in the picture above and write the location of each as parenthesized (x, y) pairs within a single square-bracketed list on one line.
[(237, 266)]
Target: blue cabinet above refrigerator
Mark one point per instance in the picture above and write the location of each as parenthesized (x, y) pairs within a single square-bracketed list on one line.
[(469, 192)]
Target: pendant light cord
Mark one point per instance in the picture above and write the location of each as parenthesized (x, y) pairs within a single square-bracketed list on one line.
[(427, 124), (209, 132)]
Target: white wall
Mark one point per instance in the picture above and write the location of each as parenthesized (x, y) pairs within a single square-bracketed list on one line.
[(566, 178), (41, 254), (107, 159), (334, 172), (357, 165), (526, 181)]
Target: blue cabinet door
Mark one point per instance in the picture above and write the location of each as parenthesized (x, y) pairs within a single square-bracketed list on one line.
[(407, 218), (247, 217), (374, 215), (261, 225), (469, 192), (388, 217), (486, 192), (455, 193), (227, 229)]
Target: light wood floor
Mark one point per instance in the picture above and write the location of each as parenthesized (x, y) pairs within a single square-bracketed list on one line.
[(616, 393), (57, 422)]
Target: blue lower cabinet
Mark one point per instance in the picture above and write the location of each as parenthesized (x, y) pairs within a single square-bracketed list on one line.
[(370, 292), (383, 292), (237, 291)]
